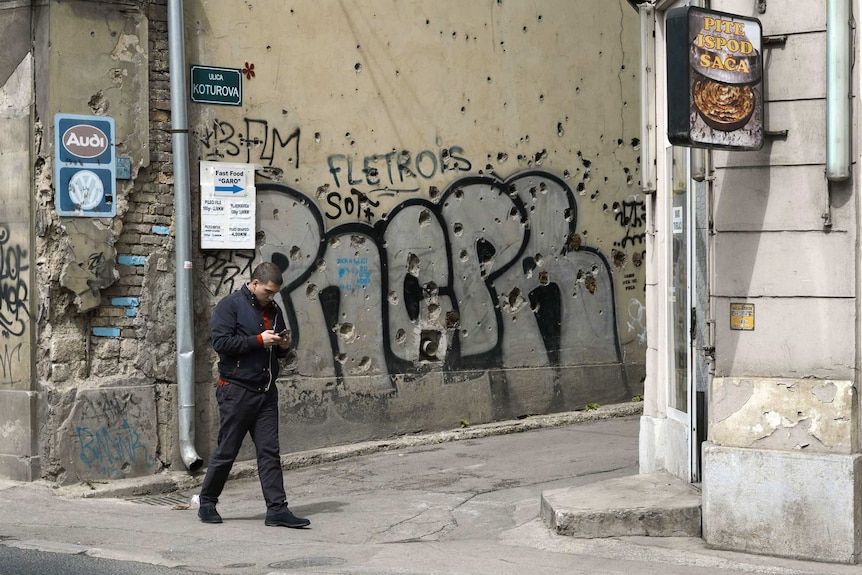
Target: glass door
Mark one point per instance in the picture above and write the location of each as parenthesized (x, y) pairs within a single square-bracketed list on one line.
[(681, 392)]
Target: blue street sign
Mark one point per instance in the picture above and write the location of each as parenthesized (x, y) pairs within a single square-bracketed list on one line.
[(85, 166)]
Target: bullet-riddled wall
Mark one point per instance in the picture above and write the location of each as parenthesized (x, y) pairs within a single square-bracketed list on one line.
[(451, 188), (452, 191)]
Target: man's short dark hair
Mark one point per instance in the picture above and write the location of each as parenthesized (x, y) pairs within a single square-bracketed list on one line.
[(267, 272)]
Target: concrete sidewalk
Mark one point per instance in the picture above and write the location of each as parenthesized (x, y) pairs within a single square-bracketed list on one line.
[(462, 502)]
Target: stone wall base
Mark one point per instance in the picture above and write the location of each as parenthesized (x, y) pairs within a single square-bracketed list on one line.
[(800, 505)]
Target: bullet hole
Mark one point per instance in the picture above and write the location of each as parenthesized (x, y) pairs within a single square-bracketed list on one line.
[(464, 333), (524, 28), (434, 311), (513, 191), (541, 98), (341, 358), (400, 337), (636, 143), (528, 265), (317, 137), (502, 157), (393, 298), (268, 48), (574, 242), (357, 67), (364, 364), (588, 279), (413, 265), (486, 253), (431, 289), (357, 241), (427, 22), (463, 109), (489, 168), (566, 174), (463, 256), (311, 292), (620, 142), (457, 229), (539, 259), (513, 213), (347, 331), (585, 162), (358, 47), (533, 193), (453, 318), (544, 278), (541, 157), (434, 192), (489, 79), (295, 253), (560, 131), (424, 218), (275, 214), (582, 189), (637, 259), (619, 258), (459, 194), (594, 195), (320, 265)]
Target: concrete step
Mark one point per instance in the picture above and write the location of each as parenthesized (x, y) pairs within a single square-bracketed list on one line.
[(654, 504)]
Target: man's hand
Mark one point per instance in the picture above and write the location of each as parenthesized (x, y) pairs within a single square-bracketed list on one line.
[(271, 339)]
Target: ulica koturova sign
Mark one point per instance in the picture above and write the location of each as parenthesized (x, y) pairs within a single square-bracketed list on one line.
[(213, 85)]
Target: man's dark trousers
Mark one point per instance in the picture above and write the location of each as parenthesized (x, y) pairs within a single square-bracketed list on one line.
[(244, 411)]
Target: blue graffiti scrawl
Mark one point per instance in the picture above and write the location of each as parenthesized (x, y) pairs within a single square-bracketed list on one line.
[(111, 453)]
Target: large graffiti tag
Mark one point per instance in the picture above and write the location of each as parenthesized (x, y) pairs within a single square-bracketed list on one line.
[(490, 275)]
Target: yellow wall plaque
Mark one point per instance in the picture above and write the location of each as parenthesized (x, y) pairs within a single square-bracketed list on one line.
[(742, 316)]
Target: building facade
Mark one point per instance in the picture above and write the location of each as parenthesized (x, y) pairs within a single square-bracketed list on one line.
[(753, 283), (450, 188)]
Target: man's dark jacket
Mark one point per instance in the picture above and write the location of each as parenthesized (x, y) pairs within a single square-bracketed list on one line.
[(235, 326)]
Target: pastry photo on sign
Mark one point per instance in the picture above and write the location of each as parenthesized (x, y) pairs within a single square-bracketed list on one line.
[(715, 80)]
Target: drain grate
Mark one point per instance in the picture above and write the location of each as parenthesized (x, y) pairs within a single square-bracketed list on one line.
[(163, 500)]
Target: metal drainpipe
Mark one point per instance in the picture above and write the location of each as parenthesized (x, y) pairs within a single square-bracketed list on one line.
[(838, 90), (182, 225)]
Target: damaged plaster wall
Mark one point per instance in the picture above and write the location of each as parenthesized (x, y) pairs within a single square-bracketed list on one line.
[(19, 458), (99, 410), (451, 189), (783, 414), (452, 192)]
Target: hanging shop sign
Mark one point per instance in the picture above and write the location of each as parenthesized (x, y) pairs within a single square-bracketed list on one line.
[(714, 79), (227, 206), (85, 166)]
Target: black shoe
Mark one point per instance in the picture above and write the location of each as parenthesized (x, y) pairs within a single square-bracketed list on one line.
[(209, 514), (286, 519)]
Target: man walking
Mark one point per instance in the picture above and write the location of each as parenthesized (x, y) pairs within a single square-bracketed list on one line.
[(249, 334)]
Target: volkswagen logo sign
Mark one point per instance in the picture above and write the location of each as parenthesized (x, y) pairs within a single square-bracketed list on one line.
[(85, 141)]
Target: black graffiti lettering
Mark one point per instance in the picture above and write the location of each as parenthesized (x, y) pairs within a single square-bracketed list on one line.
[(400, 167), (423, 157), (223, 140), (8, 359), (631, 215), (14, 291), (224, 273)]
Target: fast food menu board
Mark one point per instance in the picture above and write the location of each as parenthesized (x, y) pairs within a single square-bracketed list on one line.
[(714, 79)]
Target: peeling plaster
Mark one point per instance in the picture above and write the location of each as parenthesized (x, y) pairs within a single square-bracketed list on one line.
[(16, 94), (782, 414)]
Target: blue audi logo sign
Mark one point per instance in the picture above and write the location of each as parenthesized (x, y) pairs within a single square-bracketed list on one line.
[(85, 166)]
